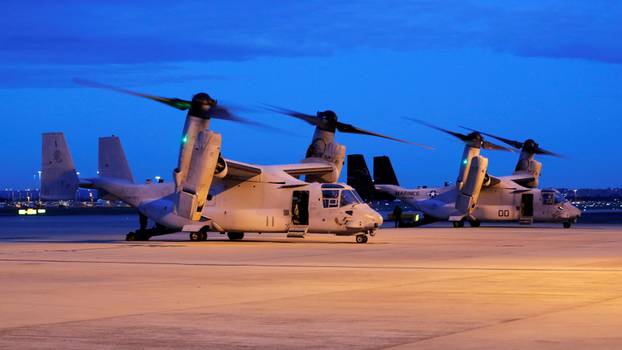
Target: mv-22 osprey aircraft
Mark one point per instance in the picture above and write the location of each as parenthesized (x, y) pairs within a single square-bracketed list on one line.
[(211, 193), (477, 196)]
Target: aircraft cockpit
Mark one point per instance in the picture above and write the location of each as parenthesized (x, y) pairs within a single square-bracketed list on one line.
[(336, 195), (552, 197)]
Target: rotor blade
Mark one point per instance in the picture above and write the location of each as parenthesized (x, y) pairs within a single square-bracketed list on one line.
[(221, 112), (173, 102), (517, 144), (460, 136), (513, 143), (311, 119), (492, 146), (548, 153), (348, 128)]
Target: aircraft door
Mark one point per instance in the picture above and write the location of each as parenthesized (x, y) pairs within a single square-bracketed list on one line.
[(526, 205), (300, 208)]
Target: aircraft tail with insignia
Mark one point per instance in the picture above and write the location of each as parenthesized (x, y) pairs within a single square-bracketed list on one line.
[(59, 180)]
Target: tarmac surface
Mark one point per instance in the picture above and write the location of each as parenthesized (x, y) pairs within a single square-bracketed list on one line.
[(76, 285)]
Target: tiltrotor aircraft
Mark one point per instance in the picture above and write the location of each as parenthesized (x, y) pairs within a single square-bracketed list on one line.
[(527, 171), (477, 196), (211, 193)]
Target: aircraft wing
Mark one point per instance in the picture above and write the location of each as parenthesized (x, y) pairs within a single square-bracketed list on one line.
[(307, 169), (524, 180), (241, 170)]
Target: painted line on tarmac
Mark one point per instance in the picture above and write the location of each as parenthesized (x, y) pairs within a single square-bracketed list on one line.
[(449, 268)]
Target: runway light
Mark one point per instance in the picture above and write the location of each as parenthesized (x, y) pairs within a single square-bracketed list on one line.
[(41, 211), (31, 211), (21, 212)]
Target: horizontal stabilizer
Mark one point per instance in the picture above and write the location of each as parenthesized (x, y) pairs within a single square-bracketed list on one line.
[(59, 180)]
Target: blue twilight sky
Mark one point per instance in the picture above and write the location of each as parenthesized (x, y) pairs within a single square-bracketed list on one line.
[(550, 70)]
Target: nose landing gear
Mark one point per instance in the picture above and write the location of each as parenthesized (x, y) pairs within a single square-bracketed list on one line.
[(198, 236), (361, 238)]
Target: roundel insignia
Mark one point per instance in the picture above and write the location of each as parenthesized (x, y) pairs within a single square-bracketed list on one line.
[(58, 157)]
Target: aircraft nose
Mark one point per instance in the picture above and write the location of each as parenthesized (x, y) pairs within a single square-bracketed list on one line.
[(376, 219)]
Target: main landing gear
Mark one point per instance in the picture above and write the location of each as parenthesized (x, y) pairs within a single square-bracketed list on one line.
[(361, 238), (458, 224), (138, 235), (235, 236), (146, 234), (474, 223), (567, 224)]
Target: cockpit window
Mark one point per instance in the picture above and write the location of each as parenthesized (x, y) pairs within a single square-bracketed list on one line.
[(550, 198), (348, 197), (356, 194), (330, 198)]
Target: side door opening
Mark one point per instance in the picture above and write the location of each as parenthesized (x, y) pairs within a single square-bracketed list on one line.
[(300, 208), (526, 205)]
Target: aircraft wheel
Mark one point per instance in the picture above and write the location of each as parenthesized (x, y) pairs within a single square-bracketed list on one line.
[(131, 236), (235, 236), (458, 223), (137, 236), (196, 236), (474, 223), (361, 239), (567, 224), (203, 233)]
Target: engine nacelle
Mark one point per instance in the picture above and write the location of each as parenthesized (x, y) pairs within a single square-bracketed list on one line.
[(468, 196), (334, 153), (194, 187), (193, 126), (468, 155)]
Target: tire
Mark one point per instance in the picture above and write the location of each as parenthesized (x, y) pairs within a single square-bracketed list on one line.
[(136, 236), (458, 224), (567, 224), (475, 223), (361, 239), (195, 236), (235, 236)]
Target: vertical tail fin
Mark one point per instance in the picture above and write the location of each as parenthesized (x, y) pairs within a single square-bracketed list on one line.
[(59, 180), (383, 171), (359, 177), (112, 161)]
